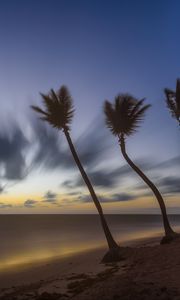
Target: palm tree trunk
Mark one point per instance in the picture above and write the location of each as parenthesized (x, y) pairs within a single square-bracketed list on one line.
[(110, 241), (168, 230)]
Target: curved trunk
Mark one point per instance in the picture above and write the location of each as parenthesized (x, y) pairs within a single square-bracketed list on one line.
[(167, 227), (111, 242)]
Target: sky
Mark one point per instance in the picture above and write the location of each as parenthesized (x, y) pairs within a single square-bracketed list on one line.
[(98, 49)]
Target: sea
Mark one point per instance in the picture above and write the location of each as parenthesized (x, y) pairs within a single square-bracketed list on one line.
[(26, 239)]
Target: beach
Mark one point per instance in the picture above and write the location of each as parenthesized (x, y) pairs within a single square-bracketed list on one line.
[(147, 271), (89, 150)]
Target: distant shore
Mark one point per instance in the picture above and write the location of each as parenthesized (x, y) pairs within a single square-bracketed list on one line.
[(148, 271)]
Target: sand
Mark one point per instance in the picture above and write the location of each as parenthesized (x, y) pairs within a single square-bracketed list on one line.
[(147, 271)]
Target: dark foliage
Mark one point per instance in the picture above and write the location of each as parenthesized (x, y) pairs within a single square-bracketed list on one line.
[(173, 101), (59, 108), (125, 115)]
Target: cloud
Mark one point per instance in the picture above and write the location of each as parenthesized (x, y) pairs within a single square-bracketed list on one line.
[(123, 197), (53, 150), (84, 199), (93, 146), (108, 199), (68, 184), (3, 205), (12, 159), (109, 178), (99, 178), (50, 151), (105, 178), (50, 148), (50, 197), (166, 185), (73, 193), (66, 202), (170, 185), (94, 143), (2, 189), (172, 162), (30, 203)]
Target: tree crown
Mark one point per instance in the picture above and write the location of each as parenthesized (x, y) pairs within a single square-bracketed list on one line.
[(58, 108), (173, 101), (125, 115)]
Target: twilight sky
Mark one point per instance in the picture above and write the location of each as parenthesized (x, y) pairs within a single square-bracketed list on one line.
[(98, 49)]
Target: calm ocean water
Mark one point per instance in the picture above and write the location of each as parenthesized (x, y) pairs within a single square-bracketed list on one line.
[(32, 238)]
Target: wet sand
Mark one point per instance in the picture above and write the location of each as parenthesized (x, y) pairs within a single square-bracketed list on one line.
[(147, 271)]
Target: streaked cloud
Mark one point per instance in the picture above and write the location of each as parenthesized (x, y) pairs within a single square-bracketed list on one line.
[(4, 205), (108, 199), (50, 197), (12, 158), (30, 203), (170, 185)]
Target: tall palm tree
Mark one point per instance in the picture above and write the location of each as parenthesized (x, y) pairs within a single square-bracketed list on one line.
[(173, 101), (123, 118), (58, 113)]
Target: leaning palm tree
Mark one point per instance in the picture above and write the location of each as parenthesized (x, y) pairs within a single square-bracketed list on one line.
[(123, 118), (59, 113), (173, 101)]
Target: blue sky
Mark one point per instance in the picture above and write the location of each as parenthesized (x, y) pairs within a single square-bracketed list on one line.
[(98, 49)]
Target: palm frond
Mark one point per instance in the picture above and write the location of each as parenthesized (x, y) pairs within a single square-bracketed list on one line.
[(172, 106), (46, 101), (58, 108), (169, 92), (110, 117), (125, 115), (64, 94), (137, 106), (38, 109), (53, 96), (138, 116), (178, 96), (173, 101)]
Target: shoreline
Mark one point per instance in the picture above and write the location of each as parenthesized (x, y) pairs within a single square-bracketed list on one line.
[(23, 266), (82, 276)]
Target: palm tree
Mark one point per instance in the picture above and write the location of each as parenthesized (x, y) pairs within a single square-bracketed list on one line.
[(173, 101), (59, 113), (123, 118)]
